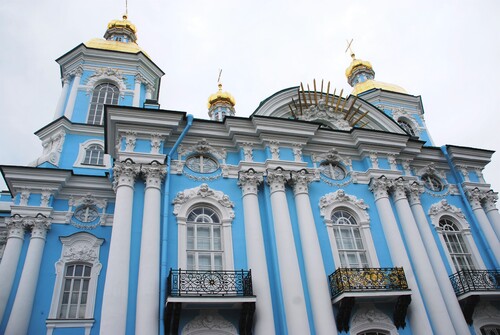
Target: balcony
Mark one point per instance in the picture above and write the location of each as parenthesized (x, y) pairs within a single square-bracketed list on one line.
[(194, 289), (388, 285), (471, 285)]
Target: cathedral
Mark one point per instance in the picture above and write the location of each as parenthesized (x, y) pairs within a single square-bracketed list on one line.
[(323, 212)]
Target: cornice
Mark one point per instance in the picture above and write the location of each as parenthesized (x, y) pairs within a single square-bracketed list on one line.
[(70, 128)]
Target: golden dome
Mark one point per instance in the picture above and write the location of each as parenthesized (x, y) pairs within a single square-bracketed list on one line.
[(220, 96), (129, 47), (122, 24), (372, 84), (355, 63)]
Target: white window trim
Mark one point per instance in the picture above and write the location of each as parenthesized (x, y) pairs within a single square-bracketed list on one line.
[(443, 209), (485, 314), (339, 200), (81, 156), (79, 247), (186, 201), (369, 318)]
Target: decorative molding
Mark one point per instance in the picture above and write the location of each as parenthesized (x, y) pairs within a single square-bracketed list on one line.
[(24, 197), (475, 197), (277, 179), (368, 317), (300, 181), (407, 167), (326, 113), (274, 149), (391, 158), (431, 170), (248, 152), (130, 141), (489, 201), (380, 187), (52, 148), (332, 156), (209, 322), (202, 192), (201, 178), (297, 152), (340, 197), (443, 207), (153, 174), (15, 227), (45, 198), (374, 159), (85, 202), (463, 169), (413, 192), (82, 151), (404, 115), (106, 75), (202, 147), (156, 142), (125, 173)]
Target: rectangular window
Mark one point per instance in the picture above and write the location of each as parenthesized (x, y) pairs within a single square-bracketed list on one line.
[(75, 291)]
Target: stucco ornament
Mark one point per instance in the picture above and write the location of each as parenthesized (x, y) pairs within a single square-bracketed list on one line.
[(326, 114), (203, 191), (202, 147), (107, 75), (80, 252), (369, 317), (86, 212), (339, 197), (443, 207), (209, 323)]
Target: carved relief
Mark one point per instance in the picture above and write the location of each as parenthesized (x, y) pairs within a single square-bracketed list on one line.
[(86, 212), (203, 147), (153, 174), (369, 317), (297, 152), (106, 75), (130, 140), (300, 180), (203, 191), (374, 159), (125, 173), (52, 148), (391, 158), (249, 181), (332, 156), (248, 152), (209, 322), (326, 113), (156, 142), (340, 197), (431, 170), (277, 179), (443, 207), (24, 197), (274, 149)]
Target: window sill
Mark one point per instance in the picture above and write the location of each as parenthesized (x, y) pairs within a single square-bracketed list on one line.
[(69, 323)]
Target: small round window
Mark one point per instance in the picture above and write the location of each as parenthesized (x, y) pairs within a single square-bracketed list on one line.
[(202, 164), (407, 127), (432, 183), (332, 170), (86, 214)]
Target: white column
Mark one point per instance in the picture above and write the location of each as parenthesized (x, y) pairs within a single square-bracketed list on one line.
[(291, 282), (416, 310), (256, 254), (23, 304), (475, 197), (317, 282), (10, 259), (115, 296), (62, 98), (149, 91), (68, 112), (137, 90), (437, 264), (148, 287), (438, 314), (491, 210)]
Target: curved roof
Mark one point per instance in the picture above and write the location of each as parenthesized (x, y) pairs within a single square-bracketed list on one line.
[(371, 84), (129, 47)]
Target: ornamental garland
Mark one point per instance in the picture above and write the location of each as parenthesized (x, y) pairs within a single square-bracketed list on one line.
[(197, 178), (345, 183)]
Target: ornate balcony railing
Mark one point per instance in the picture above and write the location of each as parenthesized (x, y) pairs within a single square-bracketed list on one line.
[(209, 283), (466, 281), (367, 279)]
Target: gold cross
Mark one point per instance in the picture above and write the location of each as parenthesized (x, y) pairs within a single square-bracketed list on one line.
[(349, 48), (220, 74)]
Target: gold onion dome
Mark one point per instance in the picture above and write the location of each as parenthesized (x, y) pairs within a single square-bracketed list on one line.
[(355, 64), (220, 96), (122, 24)]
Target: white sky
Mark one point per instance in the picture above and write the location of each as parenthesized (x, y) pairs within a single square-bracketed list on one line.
[(446, 51)]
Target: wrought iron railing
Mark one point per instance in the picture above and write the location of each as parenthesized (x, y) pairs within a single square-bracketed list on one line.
[(367, 279), (209, 283), (465, 281)]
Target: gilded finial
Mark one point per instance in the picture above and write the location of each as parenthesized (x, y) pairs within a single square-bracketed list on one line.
[(126, 10), (349, 48)]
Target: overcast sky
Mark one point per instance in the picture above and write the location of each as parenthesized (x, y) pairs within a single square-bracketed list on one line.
[(446, 51)]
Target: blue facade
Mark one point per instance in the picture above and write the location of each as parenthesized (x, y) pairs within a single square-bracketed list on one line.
[(336, 215)]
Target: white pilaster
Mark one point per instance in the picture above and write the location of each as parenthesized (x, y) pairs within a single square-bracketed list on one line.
[(256, 254), (317, 282), (416, 310), (475, 197), (437, 264), (491, 210), (148, 288), (68, 112), (62, 98), (137, 90), (149, 91), (431, 293), (10, 259), (115, 296), (291, 282), (23, 304)]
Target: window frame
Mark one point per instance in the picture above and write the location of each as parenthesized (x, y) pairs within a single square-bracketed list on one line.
[(336, 201), (332, 165), (203, 196), (82, 152), (96, 108), (79, 248), (428, 178), (201, 158), (93, 148)]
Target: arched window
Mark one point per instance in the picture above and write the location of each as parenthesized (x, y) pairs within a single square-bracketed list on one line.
[(94, 155), (105, 93), (348, 239), (204, 240), (455, 243), (407, 127), (373, 332)]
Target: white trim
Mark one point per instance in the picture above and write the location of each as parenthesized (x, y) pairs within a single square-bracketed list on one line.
[(83, 150), (443, 209), (209, 323), (485, 315), (79, 247), (187, 200), (339, 200), (369, 318)]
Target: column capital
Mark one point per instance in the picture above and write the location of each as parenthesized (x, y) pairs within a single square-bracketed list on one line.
[(125, 173), (139, 78), (413, 192), (15, 227), (300, 181), (277, 179), (77, 72), (398, 187), (249, 181), (489, 200), (380, 187), (475, 196), (153, 174)]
